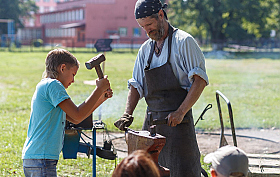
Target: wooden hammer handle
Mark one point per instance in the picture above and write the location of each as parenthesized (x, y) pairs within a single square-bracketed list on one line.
[(99, 72)]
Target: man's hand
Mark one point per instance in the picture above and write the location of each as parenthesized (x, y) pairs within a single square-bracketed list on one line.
[(124, 122), (175, 118)]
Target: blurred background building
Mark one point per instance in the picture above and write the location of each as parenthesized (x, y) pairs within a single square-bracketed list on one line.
[(79, 23)]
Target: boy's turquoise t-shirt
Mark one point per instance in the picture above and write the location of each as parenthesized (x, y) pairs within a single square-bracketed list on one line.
[(47, 121)]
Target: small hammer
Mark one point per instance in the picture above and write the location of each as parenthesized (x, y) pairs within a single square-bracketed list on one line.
[(95, 62)]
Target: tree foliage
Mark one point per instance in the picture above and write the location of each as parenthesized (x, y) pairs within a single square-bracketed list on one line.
[(15, 10), (223, 20), (274, 20)]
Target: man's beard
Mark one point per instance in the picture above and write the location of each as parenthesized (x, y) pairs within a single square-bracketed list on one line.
[(159, 32)]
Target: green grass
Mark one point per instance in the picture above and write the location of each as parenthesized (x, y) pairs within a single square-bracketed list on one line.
[(251, 84)]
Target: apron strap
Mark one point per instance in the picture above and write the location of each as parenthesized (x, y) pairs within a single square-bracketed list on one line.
[(171, 30), (152, 43)]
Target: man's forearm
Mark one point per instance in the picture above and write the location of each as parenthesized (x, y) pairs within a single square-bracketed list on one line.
[(193, 94), (132, 100)]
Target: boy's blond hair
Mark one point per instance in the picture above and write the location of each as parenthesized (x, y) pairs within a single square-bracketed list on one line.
[(57, 57)]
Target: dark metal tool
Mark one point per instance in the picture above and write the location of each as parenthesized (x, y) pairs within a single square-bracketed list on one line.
[(126, 129), (209, 106), (160, 122), (95, 63), (165, 121)]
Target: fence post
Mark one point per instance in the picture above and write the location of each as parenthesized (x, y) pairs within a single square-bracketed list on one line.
[(92, 45), (131, 45), (31, 45), (72, 45)]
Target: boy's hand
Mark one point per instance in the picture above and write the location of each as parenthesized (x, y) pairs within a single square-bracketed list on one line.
[(103, 84), (107, 94)]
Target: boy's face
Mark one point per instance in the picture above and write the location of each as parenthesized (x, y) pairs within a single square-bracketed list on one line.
[(66, 75)]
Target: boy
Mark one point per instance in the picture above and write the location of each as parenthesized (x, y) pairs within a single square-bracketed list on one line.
[(228, 161), (51, 106)]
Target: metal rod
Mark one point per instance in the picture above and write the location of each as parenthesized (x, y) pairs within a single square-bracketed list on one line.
[(218, 93), (209, 106), (94, 152)]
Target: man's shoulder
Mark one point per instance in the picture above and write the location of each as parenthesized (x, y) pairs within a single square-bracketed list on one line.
[(147, 42), (146, 45), (182, 35)]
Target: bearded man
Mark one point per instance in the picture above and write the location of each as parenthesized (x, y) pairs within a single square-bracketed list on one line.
[(169, 72)]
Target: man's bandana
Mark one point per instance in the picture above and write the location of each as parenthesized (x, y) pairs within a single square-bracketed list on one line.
[(145, 8)]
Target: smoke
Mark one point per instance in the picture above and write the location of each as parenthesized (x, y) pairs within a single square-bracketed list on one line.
[(115, 107), (219, 55)]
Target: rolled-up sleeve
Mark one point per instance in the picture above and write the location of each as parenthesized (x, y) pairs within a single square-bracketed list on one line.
[(137, 85), (194, 60), (200, 72)]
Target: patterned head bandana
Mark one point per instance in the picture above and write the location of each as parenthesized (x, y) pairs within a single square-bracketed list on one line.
[(145, 8)]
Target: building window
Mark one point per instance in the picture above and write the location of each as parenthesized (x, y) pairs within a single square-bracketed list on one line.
[(47, 9), (136, 32), (62, 17), (73, 15), (81, 14), (52, 9), (77, 15), (41, 10), (123, 32), (69, 16), (58, 32), (42, 19)]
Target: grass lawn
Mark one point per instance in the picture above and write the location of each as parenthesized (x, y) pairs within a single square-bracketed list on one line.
[(250, 82)]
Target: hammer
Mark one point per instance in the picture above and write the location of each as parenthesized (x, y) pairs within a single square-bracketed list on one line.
[(95, 62)]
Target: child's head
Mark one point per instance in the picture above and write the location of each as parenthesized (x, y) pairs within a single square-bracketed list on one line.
[(56, 58), (228, 161), (138, 163)]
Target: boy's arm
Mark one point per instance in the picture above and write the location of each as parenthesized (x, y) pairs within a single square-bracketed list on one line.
[(78, 114)]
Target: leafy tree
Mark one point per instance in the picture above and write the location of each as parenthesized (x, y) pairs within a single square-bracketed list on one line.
[(15, 10), (274, 19), (223, 20)]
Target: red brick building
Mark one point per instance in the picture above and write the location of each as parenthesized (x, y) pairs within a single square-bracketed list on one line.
[(80, 23)]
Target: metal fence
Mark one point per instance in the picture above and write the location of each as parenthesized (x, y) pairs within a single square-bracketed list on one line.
[(88, 45), (129, 45)]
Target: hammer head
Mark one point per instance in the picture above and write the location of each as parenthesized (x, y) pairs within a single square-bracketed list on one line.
[(95, 61)]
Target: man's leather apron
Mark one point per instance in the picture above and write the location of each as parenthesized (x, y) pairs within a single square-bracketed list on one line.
[(164, 95)]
